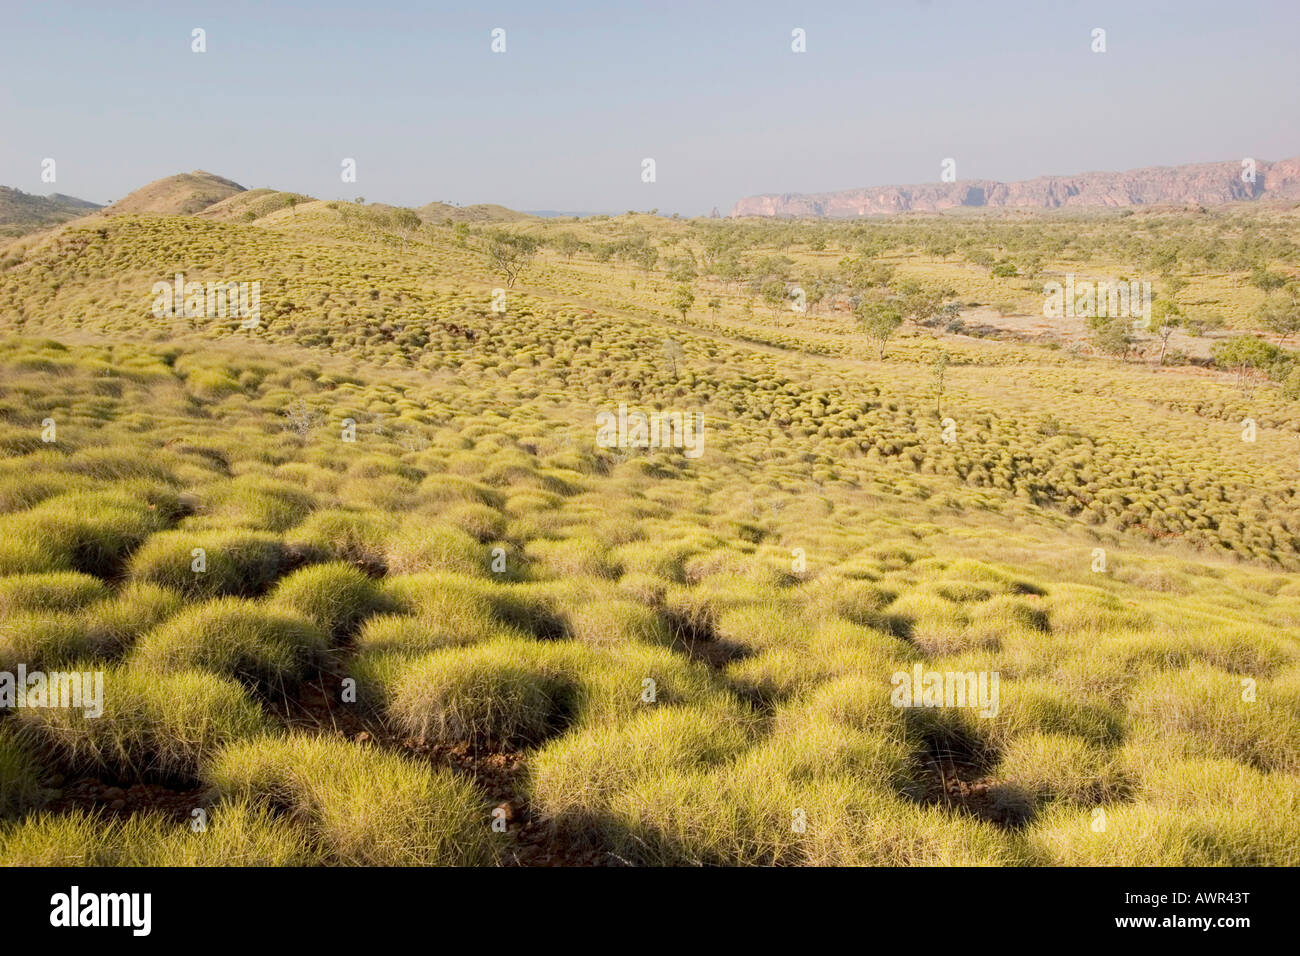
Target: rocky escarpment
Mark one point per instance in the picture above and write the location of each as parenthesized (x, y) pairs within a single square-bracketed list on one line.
[(1205, 184)]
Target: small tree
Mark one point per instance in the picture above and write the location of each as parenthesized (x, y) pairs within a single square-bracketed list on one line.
[(815, 291), (1281, 314), (1250, 357), (920, 305), (942, 248), (1265, 280), (1291, 385), (880, 319), (567, 244), (673, 352), (646, 257), (302, 417), (510, 252), (774, 294), (405, 222), (714, 305), (1111, 335), (940, 369), (1166, 318), (683, 299)]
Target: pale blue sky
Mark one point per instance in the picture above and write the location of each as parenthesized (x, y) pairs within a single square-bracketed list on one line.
[(711, 91)]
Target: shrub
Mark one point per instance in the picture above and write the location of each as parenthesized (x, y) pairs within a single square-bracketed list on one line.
[(477, 520), (613, 621), (89, 532), (847, 830), (115, 623), (42, 641), (1146, 835), (475, 606), (1040, 767), (254, 502), (1024, 706), (581, 556)]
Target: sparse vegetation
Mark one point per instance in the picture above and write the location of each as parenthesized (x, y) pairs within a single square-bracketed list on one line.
[(341, 568)]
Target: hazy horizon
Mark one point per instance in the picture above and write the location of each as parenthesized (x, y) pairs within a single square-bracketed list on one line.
[(564, 117)]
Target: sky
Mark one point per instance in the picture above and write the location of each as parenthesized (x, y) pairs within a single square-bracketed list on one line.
[(585, 91)]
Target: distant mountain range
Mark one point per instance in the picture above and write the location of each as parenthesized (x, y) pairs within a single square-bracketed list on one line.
[(563, 214), (1205, 184), (22, 212)]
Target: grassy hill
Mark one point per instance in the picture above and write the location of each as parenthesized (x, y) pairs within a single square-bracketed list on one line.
[(179, 195), (437, 212), (431, 601)]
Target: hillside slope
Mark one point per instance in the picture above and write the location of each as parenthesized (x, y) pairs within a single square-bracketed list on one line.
[(179, 195), (627, 654)]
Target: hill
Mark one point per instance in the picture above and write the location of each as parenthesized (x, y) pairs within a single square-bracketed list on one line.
[(180, 195), (480, 212)]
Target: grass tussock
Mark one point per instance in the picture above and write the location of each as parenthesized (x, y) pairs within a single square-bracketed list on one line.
[(235, 638), (211, 563), (235, 834), (360, 806), (153, 726)]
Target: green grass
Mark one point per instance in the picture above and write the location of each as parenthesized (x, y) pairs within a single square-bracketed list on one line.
[(1205, 711), (335, 597), (360, 806), (500, 693), (20, 777), (575, 777), (677, 659), (235, 638), (236, 834), (210, 563), (54, 592), (154, 726)]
